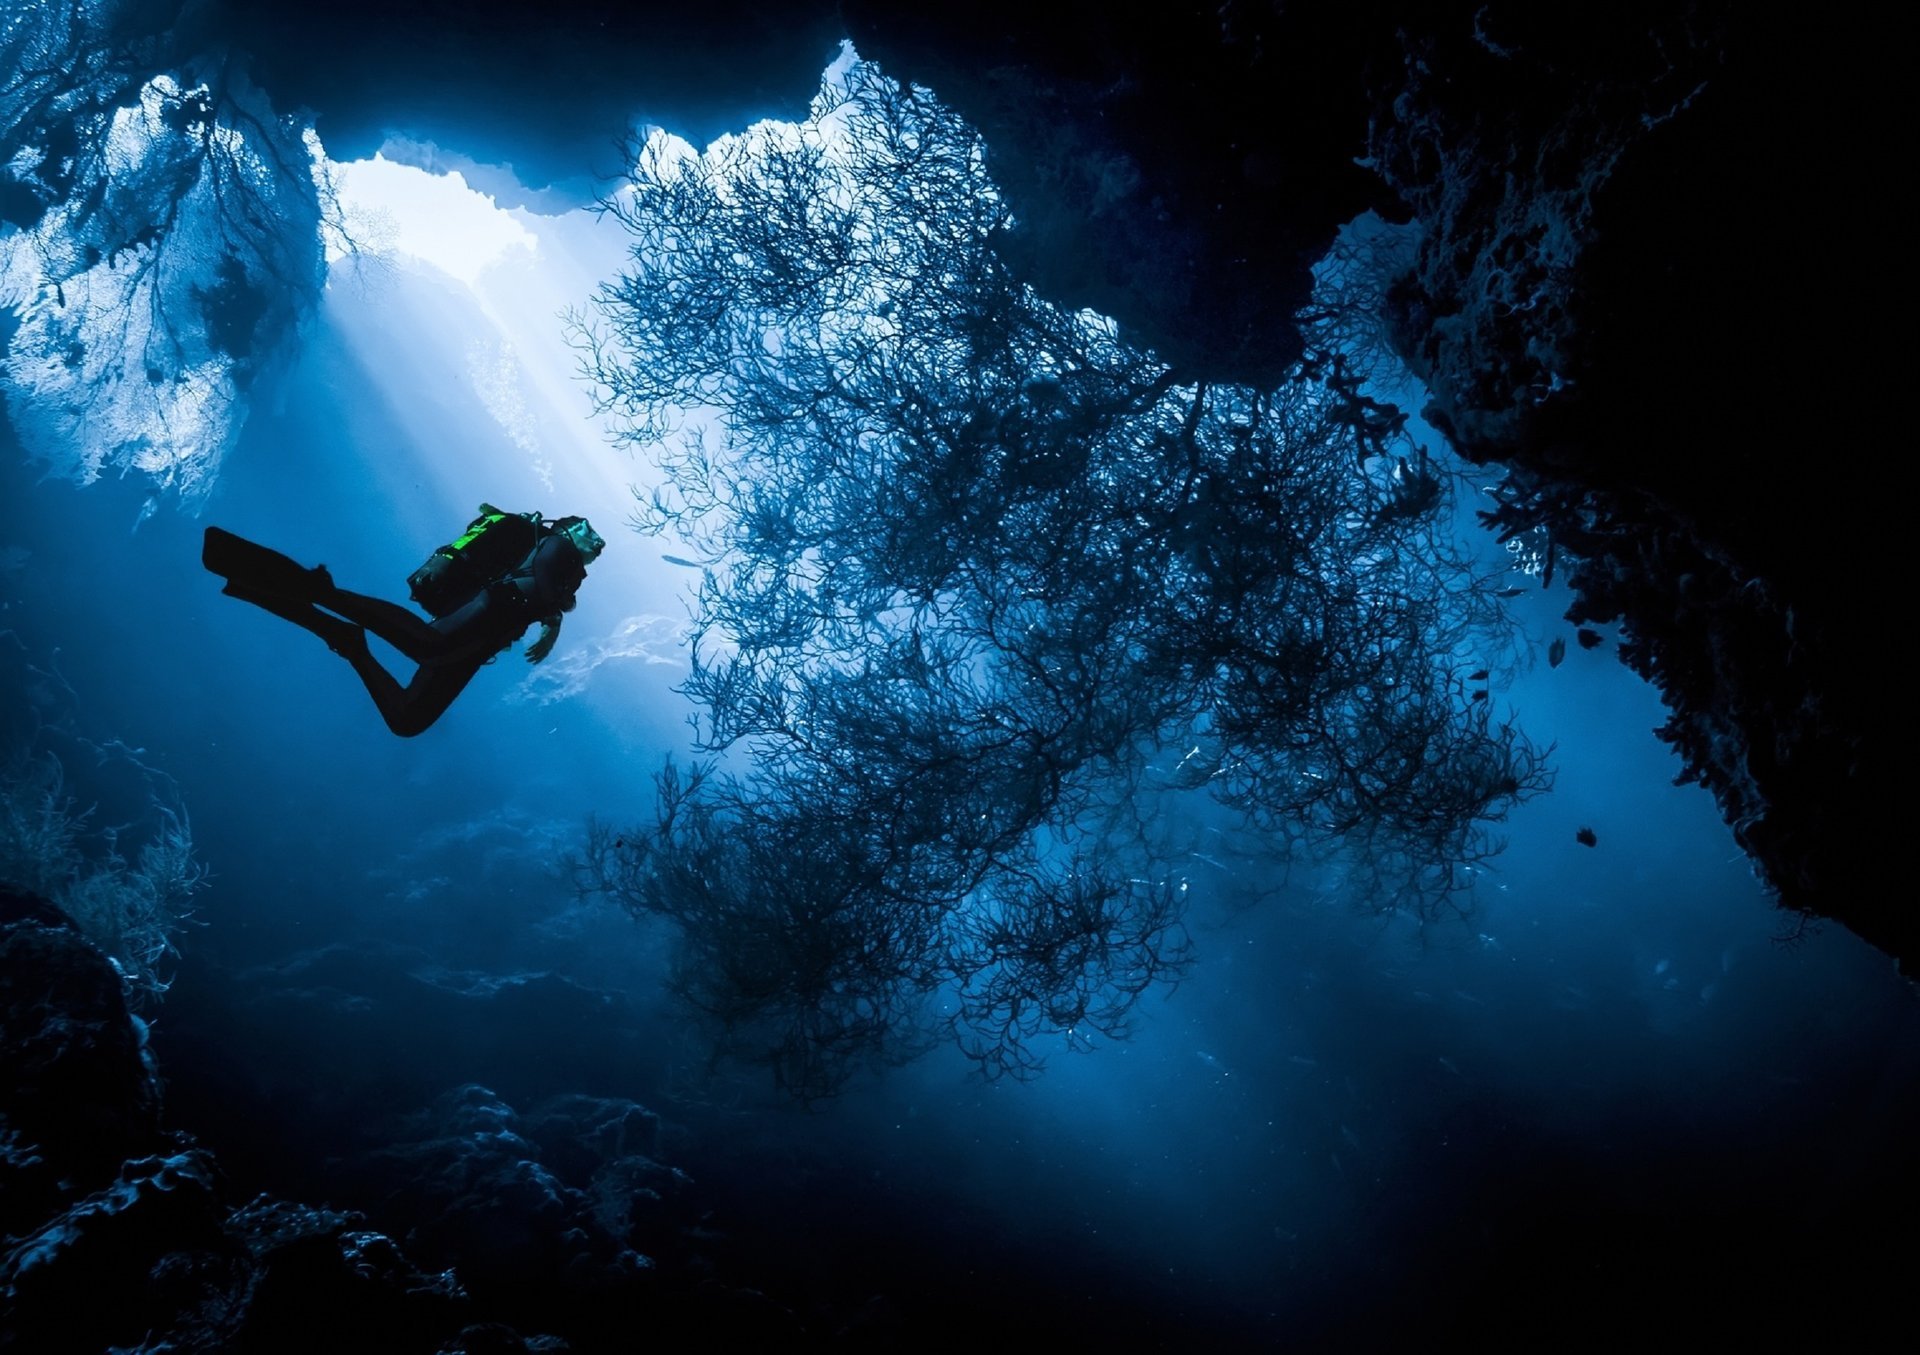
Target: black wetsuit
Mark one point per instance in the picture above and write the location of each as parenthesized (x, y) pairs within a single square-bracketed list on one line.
[(449, 651), (540, 589)]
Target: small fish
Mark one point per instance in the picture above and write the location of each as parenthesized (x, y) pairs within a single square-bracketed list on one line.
[(1589, 639), (1663, 966), (682, 561), (1480, 695), (1480, 676), (1353, 1139), (1465, 996), (1510, 592), (1556, 652), (1450, 1065), (1303, 1060), (1586, 837)]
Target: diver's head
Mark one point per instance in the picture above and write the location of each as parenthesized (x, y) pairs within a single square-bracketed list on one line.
[(585, 540)]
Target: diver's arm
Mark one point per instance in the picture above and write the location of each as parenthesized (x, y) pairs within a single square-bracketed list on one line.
[(553, 573), (543, 643)]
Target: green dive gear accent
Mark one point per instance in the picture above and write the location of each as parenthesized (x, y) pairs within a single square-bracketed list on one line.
[(493, 544)]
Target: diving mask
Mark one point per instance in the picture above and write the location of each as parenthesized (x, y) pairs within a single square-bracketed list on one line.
[(585, 540)]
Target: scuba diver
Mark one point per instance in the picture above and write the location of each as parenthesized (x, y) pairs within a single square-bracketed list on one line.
[(483, 590)]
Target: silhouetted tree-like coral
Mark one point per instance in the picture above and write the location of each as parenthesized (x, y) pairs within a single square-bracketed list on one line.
[(161, 235), (978, 572)]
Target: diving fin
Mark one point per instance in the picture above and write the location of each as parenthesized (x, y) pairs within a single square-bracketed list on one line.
[(258, 570), (342, 637)]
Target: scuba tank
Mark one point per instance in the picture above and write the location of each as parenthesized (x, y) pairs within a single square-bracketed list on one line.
[(491, 547)]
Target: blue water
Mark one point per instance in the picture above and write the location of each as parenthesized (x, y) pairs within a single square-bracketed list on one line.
[(1330, 1107), (1611, 1081)]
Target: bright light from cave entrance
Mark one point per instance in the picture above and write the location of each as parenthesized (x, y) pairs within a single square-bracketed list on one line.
[(471, 295), (435, 218)]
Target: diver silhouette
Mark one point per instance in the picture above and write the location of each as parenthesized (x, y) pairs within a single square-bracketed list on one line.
[(507, 571)]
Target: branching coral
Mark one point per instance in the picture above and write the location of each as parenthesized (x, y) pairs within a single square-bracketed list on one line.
[(133, 909)]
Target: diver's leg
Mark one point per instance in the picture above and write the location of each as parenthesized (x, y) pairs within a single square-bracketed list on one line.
[(341, 636), (419, 640), (257, 573), (411, 709), (407, 710)]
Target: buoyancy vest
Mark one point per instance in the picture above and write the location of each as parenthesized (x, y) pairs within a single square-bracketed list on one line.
[(493, 546)]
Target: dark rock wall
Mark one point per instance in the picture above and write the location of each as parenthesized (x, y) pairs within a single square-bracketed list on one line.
[(81, 1082), (1648, 269), (1631, 296), (1180, 169), (548, 91), (117, 1232), (449, 1227)]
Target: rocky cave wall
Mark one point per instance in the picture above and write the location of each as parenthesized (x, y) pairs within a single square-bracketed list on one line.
[(1643, 290)]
